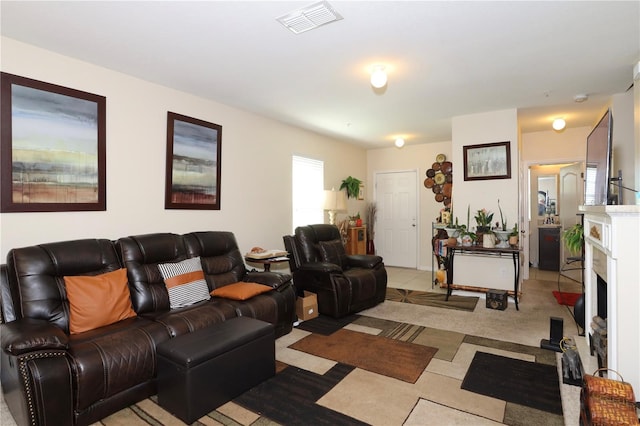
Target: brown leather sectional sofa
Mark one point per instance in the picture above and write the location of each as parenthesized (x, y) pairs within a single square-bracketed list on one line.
[(52, 377)]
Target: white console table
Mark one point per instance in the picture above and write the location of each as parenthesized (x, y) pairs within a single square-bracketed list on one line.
[(612, 251)]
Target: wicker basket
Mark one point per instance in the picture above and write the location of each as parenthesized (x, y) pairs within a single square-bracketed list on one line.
[(607, 402)]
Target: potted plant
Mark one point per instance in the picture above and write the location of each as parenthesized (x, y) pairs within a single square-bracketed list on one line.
[(513, 236), (352, 186), (501, 230), (466, 236), (573, 238), (483, 221)]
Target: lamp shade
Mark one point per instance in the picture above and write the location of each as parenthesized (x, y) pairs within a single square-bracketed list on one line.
[(335, 200)]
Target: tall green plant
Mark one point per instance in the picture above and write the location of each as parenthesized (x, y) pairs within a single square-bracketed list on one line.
[(573, 238)]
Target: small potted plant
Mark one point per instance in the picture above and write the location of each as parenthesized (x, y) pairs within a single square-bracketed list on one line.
[(513, 236), (483, 221), (466, 236), (501, 230)]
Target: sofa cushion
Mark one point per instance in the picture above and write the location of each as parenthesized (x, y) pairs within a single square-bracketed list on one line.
[(240, 290), (333, 252), (185, 282), (110, 290)]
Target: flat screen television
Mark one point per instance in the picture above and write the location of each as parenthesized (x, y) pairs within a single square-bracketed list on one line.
[(598, 166)]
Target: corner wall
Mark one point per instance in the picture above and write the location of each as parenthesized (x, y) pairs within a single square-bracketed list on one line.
[(256, 161)]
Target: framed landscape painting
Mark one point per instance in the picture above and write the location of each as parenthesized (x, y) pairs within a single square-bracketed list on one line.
[(52, 146), (193, 163), (487, 161)]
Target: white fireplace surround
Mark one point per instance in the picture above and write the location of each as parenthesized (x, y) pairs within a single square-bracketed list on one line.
[(612, 251)]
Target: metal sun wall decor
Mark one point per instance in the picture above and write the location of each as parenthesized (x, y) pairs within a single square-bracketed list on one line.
[(53, 152), (440, 180)]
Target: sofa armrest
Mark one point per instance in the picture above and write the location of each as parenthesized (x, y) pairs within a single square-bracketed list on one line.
[(321, 267), (38, 387), (272, 279), (28, 335), (367, 261)]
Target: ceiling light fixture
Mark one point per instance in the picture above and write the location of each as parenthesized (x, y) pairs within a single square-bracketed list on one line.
[(580, 98), (559, 124), (399, 142), (378, 76)]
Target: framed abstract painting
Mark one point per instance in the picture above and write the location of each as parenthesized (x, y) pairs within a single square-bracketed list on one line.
[(52, 145), (193, 163)]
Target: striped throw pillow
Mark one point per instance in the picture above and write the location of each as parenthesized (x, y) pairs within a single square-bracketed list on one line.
[(185, 282)]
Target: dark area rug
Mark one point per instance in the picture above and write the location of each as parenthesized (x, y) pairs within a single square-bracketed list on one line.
[(392, 358), (522, 382), (326, 325), (289, 397), (435, 300)]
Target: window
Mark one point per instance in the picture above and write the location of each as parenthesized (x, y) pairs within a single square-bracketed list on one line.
[(307, 183)]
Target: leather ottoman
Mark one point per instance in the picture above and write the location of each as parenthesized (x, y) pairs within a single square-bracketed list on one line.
[(199, 371)]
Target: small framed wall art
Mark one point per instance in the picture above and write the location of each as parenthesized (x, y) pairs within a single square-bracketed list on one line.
[(53, 153), (487, 161), (193, 163)]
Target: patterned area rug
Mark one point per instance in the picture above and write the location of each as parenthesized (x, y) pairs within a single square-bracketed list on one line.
[(299, 395), (436, 300)]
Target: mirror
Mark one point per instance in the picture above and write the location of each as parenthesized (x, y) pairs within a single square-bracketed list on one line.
[(548, 195)]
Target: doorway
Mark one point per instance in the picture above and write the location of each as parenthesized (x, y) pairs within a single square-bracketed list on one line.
[(551, 192), (397, 233)]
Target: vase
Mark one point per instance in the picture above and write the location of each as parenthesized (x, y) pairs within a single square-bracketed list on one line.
[(371, 248)]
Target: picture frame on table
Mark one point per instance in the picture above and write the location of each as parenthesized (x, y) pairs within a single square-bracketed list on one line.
[(193, 165), (487, 161), (52, 147)]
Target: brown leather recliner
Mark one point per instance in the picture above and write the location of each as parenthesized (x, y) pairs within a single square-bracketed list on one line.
[(344, 283)]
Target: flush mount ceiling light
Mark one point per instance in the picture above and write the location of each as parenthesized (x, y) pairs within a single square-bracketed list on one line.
[(310, 17), (559, 124), (378, 76), (399, 142), (580, 98)]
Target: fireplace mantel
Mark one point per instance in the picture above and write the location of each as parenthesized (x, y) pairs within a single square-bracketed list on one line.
[(612, 251)]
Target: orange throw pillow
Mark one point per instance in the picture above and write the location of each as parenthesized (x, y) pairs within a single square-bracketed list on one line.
[(96, 301), (240, 290)]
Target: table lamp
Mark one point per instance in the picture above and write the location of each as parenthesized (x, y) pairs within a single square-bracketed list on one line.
[(334, 201)]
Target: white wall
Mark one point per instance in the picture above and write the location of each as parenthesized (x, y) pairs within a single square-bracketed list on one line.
[(494, 126), (414, 157), (256, 161), (624, 157), (549, 146)]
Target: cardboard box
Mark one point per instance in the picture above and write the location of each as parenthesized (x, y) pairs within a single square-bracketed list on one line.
[(307, 306)]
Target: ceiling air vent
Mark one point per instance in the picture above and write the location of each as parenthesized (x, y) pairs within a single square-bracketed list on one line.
[(310, 17)]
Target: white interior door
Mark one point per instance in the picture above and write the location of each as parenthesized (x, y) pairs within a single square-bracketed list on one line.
[(571, 196), (396, 225)]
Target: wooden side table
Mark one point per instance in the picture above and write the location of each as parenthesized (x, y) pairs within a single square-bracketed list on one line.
[(356, 240)]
